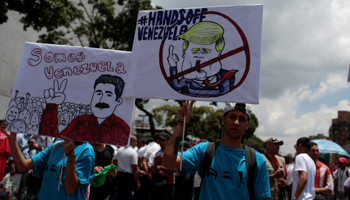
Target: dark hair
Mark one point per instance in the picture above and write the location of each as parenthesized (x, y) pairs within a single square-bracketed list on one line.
[(287, 159), (115, 80), (305, 142), (323, 160), (313, 144)]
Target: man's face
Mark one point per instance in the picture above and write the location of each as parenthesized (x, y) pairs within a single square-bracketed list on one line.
[(273, 148), (235, 123), (103, 102), (314, 153), (298, 148), (163, 143), (197, 54)]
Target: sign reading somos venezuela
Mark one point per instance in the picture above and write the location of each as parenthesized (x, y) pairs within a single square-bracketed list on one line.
[(209, 54), (73, 91)]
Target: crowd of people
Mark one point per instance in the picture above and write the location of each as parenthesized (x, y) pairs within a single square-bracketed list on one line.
[(154, 169)]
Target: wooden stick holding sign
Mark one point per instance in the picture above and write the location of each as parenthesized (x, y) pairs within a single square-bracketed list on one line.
[(183, 137), (62, 166)]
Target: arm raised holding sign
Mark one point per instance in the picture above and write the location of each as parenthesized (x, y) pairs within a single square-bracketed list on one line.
[(53, 97)]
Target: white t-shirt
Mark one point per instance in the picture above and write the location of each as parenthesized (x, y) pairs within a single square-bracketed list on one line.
[(153, 147), (115, 151), (347, 183), (290, 168), (341, 176), (197, 180), (142, 151), (126, 157), (303, 162)]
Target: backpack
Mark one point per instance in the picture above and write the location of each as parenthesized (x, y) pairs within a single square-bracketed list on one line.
[(250, 164)]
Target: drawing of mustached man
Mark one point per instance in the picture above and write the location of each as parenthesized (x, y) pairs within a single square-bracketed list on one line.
[(103, 126), (203, 42)]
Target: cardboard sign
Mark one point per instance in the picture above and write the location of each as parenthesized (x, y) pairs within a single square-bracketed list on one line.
[(73, 91), (208, 54)]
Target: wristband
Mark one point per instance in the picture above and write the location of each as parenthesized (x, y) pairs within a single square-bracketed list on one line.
[(70, 152), (182, 123)]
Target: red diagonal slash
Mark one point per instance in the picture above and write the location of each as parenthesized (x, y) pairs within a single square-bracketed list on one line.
[(217, 59)]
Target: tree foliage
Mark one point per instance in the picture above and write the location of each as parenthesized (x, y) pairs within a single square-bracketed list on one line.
[(204, 123)]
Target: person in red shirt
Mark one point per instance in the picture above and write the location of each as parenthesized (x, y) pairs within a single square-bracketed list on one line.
[(4, 152), (100, 127), (324, 178), (276, 166)]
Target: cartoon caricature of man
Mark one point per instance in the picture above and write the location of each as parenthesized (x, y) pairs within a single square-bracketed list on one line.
[(202, 42), (100, 127)]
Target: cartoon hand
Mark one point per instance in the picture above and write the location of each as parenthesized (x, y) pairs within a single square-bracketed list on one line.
[(172, 58), (56, 95)]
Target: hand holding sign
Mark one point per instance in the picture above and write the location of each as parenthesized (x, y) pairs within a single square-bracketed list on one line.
[(172, 58), (56, 95)]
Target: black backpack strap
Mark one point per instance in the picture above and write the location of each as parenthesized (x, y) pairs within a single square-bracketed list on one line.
[(208, 157), (250, 159)]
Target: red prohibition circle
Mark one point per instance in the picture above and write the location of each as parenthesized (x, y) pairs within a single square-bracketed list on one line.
[(244, 48)]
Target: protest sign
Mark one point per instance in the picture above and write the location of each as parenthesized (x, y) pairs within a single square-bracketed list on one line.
[(71, 91), (209, 54)]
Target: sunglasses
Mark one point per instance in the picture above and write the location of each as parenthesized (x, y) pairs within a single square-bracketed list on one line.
[(295, 146)]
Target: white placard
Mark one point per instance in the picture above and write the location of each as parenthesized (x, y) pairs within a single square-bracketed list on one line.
[(209, 54), (72, 91)]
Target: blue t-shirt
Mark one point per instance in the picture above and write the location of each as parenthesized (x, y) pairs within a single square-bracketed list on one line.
[(48, 164), (227, 177)]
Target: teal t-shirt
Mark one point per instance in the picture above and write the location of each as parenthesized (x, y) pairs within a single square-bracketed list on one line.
[(48, 164), (227, 177)]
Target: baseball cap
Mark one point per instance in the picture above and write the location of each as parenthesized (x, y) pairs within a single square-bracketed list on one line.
[(274, 141), (164, 136), (245, 108), (343, 160)]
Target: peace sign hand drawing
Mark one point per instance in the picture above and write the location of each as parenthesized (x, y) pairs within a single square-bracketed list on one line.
[(172, 58), (56, 94)]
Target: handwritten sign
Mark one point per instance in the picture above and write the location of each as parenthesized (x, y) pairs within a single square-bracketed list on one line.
[(209, 54), (73, 91)]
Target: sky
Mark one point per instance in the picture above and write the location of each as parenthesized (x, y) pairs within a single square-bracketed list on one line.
[(304, 64)]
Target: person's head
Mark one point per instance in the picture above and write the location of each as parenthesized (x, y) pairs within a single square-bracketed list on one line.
[(141, 143), (235, 119), (287, 159), (204, 41), (133, 140), (342, 163), (156, 137), (272, 146), (163, 140), (314, 153), (107, 95), (303, 145)]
